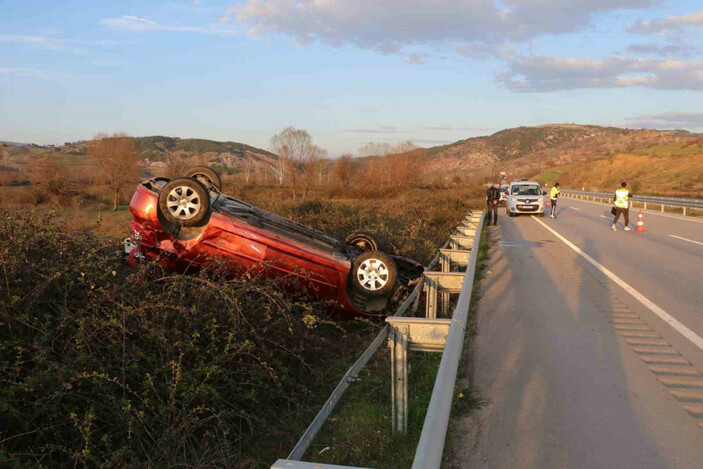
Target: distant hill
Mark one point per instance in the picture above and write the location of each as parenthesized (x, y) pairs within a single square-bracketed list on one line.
[(512, 144), (667, 161), (228, 157)]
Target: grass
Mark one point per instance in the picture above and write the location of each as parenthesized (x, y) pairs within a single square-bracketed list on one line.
[(359, 431), (670, 150), (677, 175)]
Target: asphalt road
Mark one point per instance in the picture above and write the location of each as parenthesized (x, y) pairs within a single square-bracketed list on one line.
[(575, 371)]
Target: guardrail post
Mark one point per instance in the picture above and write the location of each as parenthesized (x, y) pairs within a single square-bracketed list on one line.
[(684, 211), (399, 377), (645, 205), (662, 208), (431, 298)]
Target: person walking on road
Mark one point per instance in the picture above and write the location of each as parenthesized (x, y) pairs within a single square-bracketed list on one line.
[(492, 199), (621, 205), (553, 194)]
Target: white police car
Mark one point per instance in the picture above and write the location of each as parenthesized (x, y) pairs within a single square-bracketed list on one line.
[(526, 196)]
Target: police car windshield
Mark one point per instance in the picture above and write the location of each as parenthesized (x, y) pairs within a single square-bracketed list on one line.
[(525, 189)]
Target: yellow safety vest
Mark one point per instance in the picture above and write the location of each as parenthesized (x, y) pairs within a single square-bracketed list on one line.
[(554, 192), (621, 196)]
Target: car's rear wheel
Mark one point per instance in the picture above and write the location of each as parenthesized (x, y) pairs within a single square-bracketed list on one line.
[(366, 241), (374, 274), (208, 177), (184, 202)]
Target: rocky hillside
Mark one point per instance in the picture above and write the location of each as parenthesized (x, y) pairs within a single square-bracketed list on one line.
[(519, 146), (156, 150)]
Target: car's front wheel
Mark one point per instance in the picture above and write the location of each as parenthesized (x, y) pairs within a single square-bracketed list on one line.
[(184, 202), (374, 274)]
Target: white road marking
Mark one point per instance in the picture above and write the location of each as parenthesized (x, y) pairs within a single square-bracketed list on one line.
[(603, 216), (574, 208), (686, 239), (666, 317), (648, 212)]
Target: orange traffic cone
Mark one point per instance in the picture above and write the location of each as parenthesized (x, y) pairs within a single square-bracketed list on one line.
[(640, 222)]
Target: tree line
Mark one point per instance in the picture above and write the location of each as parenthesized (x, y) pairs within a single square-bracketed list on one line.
[(116, 162)]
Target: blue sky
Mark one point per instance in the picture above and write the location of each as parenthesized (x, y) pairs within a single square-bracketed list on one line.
[(348, 71)]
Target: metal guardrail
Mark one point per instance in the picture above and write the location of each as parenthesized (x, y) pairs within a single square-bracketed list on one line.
[(425, 337), (644, 200)]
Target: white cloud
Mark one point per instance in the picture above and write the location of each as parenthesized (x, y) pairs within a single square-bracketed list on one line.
[(547, 73), (414, 58), (667, 120), (32, 73), (390, 25), (668, 24), (381, 129), (129, 23), (134, 23), (668, 50), (41, 41)]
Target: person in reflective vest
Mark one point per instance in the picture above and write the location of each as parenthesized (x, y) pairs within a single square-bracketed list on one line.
[(621, 205), (553, 194)]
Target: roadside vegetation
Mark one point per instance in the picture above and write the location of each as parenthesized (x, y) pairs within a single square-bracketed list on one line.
[(106, 365)]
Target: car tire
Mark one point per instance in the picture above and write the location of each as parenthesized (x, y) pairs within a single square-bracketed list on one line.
[(206, 176), (374, 274), (367, 242), (184, 201)]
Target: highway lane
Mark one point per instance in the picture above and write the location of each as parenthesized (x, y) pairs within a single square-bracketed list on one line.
[(666, 269), (572, 371)]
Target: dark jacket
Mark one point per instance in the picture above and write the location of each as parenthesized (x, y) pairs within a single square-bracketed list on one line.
[(493, 193)]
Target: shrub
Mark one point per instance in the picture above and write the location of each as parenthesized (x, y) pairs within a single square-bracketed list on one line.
[(106, 365)]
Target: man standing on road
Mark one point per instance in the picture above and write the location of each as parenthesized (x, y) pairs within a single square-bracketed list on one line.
[(622, 204), (553, 194), (492, 199)]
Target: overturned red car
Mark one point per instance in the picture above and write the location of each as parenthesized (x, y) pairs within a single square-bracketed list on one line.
[(186, 221)]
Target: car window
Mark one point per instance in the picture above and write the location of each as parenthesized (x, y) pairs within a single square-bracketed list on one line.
[(526, 189)]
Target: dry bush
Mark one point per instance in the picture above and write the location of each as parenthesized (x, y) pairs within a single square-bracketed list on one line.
[(118, 158), (344, 172), (17, 197), (107, 366), (55, 182)]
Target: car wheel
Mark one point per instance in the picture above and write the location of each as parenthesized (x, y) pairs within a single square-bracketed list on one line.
[(366, 242), (374, 274), (207, 177), (184, 202)]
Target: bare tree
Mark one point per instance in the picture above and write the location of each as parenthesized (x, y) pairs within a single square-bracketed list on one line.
[(374, 149), (343, 171), (176, 165), (54, 176), (249, 167), (405, 168), (278, 168), (294, 147), (312, 166), (118, 158)]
